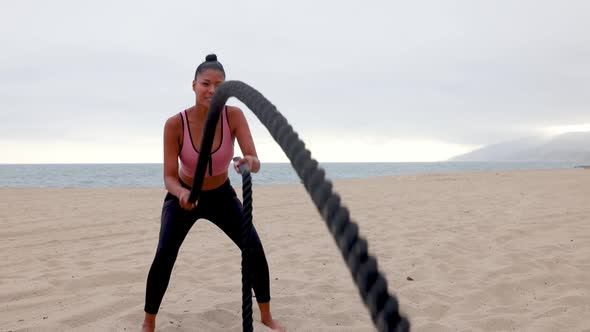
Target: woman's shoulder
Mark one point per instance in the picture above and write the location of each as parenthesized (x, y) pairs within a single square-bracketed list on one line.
[(233, 111), (235, 116), (175, 122)]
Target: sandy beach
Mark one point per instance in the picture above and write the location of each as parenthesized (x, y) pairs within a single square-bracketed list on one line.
[(489, 251)]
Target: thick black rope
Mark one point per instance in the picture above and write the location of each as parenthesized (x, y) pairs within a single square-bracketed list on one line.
[(245, 232), (372, 285)]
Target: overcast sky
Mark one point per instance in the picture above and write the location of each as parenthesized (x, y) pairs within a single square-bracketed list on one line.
[(85, 81)]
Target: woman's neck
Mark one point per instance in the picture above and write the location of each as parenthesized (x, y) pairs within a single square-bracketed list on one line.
[(200, 111)]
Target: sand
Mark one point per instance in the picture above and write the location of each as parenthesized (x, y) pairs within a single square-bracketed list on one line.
[(486, 251)]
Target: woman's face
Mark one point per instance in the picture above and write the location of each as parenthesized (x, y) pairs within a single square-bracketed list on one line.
[(205, 84)]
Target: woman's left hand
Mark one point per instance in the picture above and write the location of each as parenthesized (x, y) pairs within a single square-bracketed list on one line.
[(251, 161)]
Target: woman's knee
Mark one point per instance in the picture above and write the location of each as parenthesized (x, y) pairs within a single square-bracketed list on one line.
[(165, 256)]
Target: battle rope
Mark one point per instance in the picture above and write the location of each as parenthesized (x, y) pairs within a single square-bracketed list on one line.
[(245, 232), (372, 286)]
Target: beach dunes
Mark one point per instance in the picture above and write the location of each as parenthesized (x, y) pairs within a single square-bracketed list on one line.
[(490, 251)]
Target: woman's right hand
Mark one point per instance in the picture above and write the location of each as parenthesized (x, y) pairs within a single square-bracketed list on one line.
[(183, 200)]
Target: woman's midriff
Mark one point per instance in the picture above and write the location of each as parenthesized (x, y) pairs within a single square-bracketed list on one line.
[(209, 183)]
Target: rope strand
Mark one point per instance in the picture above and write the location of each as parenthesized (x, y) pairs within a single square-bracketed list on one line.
[(245, 230)]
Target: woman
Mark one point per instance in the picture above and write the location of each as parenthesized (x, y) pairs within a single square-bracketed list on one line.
[(217, 203)]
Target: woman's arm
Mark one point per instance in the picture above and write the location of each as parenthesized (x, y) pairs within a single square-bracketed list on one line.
[(244, 137), (172, 129)]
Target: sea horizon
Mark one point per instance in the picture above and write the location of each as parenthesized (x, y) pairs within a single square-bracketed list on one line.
[(106, 175)]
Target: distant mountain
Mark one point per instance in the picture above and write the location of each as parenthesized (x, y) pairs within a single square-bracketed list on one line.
[(568, 147)]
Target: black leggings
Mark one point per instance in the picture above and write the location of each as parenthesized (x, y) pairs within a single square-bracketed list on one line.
[(220, 206)]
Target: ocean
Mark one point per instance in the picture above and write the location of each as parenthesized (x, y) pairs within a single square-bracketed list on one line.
[(150, 175)]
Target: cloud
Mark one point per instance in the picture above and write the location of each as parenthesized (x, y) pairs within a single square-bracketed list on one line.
[(462, 73)]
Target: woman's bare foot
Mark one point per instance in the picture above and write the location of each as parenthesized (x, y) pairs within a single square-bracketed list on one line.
[(149, 323), (266, 318), (273, 324)]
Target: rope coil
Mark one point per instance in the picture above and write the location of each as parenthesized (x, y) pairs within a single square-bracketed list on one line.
[(372, 286)]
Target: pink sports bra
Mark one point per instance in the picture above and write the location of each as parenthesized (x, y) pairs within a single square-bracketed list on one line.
[(220, 156)]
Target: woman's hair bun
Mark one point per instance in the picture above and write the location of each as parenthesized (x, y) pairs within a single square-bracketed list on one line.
[(211, 58), (210, 62)]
